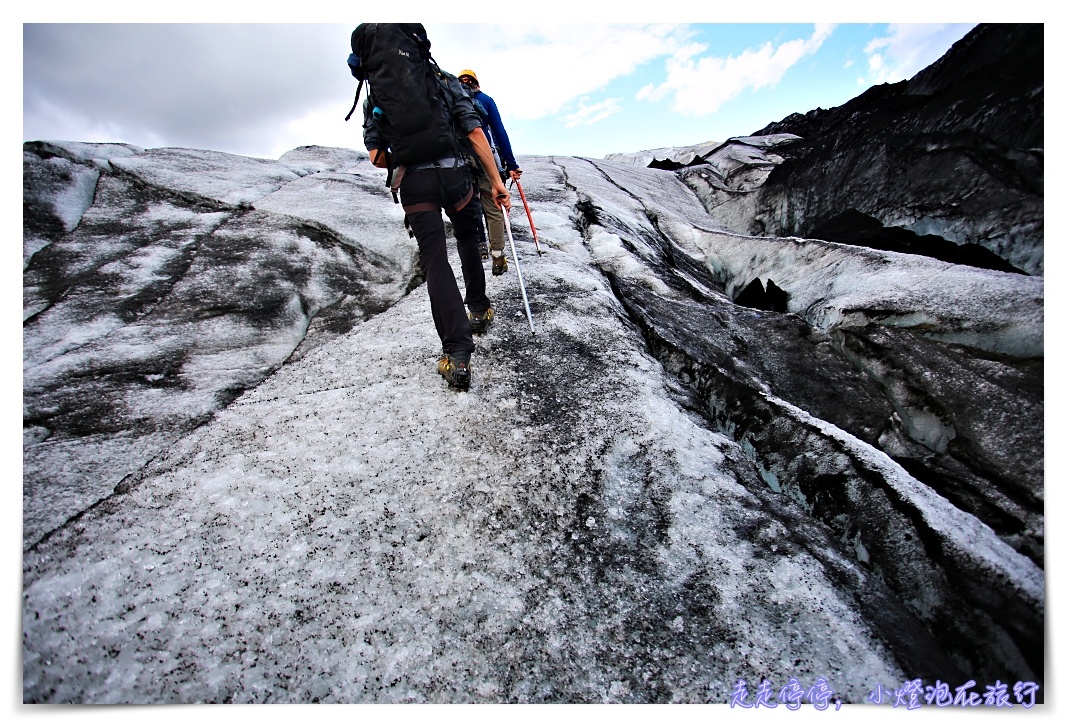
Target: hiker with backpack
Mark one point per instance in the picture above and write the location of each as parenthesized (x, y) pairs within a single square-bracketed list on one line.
[(421, 126), (505, 166)]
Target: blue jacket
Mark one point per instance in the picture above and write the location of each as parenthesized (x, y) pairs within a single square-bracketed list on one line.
[(494, 128)]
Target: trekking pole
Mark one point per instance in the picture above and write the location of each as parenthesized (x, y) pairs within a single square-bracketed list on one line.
[(533, 231), (518, 271)]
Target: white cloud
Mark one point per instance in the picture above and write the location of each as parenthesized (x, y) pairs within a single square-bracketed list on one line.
[(587, 115), (227, 87), (699, 86), (259, 89), (535, 70), (909, 48), (52, 120)]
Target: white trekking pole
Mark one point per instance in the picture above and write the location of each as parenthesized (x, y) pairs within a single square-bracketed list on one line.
[(519, 273)]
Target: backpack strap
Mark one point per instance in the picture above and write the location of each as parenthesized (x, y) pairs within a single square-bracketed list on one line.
[(359, 87), (389, 177)]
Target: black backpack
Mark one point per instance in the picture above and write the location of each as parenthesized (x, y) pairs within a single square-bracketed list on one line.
[(410, 105)]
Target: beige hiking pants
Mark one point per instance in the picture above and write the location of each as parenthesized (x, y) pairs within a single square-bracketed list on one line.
[(493, 214)]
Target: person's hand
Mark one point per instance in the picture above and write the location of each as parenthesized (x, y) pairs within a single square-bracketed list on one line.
[(515, 173), (501, 198)]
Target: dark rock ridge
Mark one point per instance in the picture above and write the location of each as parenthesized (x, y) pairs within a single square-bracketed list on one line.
[(953, 156)]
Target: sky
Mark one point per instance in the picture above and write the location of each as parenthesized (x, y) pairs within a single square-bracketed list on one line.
[(577, 88)]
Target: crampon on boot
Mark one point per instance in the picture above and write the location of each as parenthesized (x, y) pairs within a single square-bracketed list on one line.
[(481, 321), (456, 369)]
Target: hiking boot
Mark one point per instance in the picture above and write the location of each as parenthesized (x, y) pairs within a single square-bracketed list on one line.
[(456, 368), (500, 264), (481, 321), (483, 249)]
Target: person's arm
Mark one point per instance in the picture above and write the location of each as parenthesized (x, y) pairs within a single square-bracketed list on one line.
[(467, 119), (500, 135), (478, 141)]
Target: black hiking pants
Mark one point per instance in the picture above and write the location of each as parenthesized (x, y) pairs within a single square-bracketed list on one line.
[(424, 193)]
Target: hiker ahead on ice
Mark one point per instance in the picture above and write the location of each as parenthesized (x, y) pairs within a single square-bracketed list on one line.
[(505, 166), (421, 126)]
